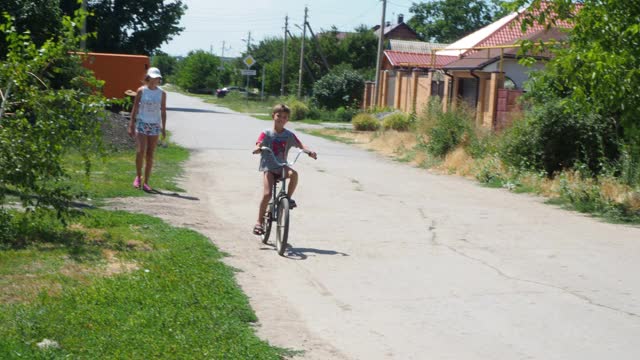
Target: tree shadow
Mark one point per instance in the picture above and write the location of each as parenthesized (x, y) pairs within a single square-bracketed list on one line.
[(173, 194), (191, 110)]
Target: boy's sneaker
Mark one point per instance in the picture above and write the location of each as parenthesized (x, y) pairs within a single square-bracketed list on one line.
[(292, 204)]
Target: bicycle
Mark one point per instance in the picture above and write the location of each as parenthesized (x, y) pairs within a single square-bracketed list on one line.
[(278, 208)]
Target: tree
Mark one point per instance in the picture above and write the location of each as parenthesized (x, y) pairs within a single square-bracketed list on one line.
[(130, 26), (446, 21), (166, 63), (42, 18), (341, 87), (199, 72), (598, 72), (43, 116)]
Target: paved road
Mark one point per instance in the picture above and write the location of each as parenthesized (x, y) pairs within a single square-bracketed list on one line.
[(393, 262)]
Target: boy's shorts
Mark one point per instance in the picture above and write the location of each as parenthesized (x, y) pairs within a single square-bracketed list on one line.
[(149, 129)]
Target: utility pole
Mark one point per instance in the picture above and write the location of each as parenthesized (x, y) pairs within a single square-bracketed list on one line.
[(304, 34), (248, 48), (224, 48), (379, 58), (283, 75)]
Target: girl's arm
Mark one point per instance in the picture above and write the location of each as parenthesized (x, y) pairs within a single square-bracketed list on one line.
[(134, 112), (163, 109)]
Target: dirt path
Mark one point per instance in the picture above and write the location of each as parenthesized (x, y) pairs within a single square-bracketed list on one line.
[(392, 262)]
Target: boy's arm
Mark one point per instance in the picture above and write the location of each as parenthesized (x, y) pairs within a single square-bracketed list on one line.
[(300, 145), (259, 143)]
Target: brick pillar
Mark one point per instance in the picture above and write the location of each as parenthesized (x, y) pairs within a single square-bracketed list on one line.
[(445, 95), (496, 79), (414, 90), (482, 93), (429, 82), (382, 101), (397, 99)]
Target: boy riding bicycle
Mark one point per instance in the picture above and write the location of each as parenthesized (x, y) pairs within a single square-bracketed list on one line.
[(279, 140)]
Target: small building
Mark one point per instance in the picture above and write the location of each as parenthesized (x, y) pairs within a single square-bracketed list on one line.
[(120, 72), (397, 31)]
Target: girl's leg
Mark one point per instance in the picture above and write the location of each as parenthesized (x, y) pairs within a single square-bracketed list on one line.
[(152, 141), (293, 181), (141, 145), (267, 183)]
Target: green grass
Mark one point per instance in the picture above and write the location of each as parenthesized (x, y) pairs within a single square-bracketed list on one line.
[(177, 300), (263, 117), (320, 133), (113, 174)]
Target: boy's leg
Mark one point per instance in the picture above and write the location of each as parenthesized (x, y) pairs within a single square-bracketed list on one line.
[(293, 181), (267, 183), (152, 142)]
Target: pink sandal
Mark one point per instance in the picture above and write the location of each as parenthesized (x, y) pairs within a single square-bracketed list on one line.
[(146, 187), (136, 182)]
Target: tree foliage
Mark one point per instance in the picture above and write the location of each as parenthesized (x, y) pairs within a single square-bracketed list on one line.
[(42, 18), (130, 26), (446, 21), (341, 87), (598, 72), (199, 72), (358, 49), (49, 106)]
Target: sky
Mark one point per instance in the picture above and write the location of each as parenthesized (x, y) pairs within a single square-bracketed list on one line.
[(209, 23)]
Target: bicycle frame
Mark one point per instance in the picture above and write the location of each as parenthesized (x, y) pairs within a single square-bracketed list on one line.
[(275, 195)]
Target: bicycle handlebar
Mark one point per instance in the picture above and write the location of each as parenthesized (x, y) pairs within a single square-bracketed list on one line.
[(264, 148)]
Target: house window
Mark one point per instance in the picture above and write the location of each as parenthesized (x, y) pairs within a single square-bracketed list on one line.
[(509, 84)]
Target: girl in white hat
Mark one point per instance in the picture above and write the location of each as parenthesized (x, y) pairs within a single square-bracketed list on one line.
[(148, 120)]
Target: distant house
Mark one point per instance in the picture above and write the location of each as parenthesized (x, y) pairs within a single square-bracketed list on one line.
[(480, 69), (397, 31)]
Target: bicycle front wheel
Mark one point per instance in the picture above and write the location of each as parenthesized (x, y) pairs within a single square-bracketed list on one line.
[(282, 229), (267, 225)]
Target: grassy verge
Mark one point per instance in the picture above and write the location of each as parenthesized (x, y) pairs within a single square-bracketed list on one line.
[(113, 174), (604, 197), (119, 285)]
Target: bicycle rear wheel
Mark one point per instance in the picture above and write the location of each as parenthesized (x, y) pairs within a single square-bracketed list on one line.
[(282, 229), (267, 225)]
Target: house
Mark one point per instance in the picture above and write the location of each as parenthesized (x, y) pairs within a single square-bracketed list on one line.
[(480, 69), (398, 31)]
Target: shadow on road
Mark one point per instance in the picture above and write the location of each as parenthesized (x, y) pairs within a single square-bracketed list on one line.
[(173, 194), (195, 110), (302, 253)]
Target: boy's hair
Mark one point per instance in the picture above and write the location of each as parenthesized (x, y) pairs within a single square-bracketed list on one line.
[(281, 108)]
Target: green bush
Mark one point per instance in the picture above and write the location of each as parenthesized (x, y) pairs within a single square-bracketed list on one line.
[(344, 114), (448, 130), (365, 122), (341, 87), (299, 110), (556, 136), (397, 121)]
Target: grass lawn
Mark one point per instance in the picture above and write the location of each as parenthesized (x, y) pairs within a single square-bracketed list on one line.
[(112, 175), (119, 285)]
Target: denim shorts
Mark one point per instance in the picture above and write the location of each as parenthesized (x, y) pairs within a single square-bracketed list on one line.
[(149, 129)]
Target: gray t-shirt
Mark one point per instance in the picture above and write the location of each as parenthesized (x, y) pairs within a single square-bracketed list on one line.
[(280, 143)]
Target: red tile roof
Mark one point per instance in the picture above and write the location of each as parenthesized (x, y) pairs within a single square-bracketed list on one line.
[(510, 32), (421, 60)]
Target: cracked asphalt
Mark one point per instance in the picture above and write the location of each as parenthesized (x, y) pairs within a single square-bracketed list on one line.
[(393, 262)]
